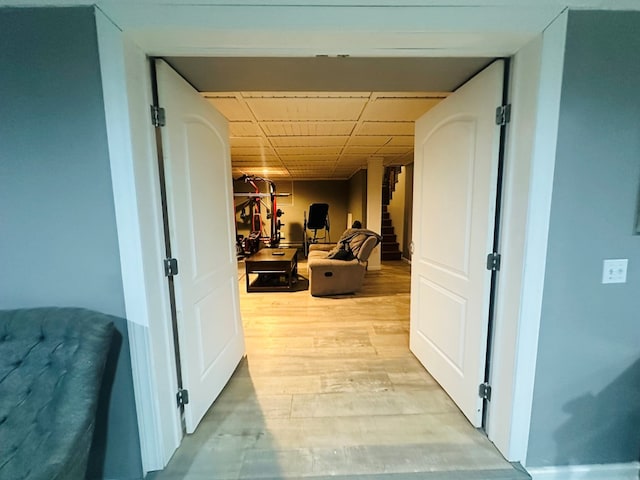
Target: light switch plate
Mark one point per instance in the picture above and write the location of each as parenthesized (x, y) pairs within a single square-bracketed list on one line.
[(615, 270)]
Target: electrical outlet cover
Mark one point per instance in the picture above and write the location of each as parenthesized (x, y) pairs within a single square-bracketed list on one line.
[(615, 270)]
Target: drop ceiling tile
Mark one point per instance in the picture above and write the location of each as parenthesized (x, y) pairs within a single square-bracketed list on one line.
[(254, 160), (290, 129), (308, 151), (244, 129), (268, 172), (370, 140), (400, 95), (309, 168), (248, 142), (306, 109), (310, 158), (303, 141), (401, 141), (360, 150), (394, 150), (307, 164), (398, 109), (313, 175), (257, 170), (257, 163), (231, 108), (239, 151), (277, 95), (386, 128), (311, 148)]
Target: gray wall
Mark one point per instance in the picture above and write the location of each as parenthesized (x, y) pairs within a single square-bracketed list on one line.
[(57, 224), (586, 405)]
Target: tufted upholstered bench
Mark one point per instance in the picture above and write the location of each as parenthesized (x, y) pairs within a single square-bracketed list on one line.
[(51, 365)]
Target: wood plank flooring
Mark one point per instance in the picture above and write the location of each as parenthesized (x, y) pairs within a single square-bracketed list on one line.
[(329, 389)]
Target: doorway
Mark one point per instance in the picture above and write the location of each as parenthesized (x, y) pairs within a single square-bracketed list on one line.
[(302, 314), (134, 177)]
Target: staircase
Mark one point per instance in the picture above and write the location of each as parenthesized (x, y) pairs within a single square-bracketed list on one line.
[(390, 247)]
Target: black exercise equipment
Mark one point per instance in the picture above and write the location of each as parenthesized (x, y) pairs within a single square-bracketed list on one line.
[(255, 201)]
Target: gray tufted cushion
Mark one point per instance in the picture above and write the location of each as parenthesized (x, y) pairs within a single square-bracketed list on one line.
[(51, 364)]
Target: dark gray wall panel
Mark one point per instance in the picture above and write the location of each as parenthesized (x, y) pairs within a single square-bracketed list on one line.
[(58, 233), (586, 407)]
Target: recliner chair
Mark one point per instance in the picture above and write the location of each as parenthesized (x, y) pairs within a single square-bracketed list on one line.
[(329, 276)]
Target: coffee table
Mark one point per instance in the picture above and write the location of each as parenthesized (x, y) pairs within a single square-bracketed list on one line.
[(276, 269)]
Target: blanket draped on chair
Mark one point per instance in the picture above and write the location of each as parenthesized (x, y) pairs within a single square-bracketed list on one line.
[(350, 243)]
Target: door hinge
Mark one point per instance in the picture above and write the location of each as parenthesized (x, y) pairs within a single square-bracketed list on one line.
[(157, 116), (484, 391), (493, 261), (170, 267), (503, 114), (182, 397)]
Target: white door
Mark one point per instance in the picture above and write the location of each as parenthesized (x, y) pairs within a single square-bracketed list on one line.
[(197, 159), (456, 164)]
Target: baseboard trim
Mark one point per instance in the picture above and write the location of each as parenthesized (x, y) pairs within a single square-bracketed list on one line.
[(613, 471)]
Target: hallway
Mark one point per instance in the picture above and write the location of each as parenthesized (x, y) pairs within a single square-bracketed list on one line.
[(329, 389)]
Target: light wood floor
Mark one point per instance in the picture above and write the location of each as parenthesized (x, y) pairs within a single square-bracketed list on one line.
[(329, 389)]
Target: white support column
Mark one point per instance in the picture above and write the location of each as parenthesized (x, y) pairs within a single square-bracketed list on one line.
[(375, 173)]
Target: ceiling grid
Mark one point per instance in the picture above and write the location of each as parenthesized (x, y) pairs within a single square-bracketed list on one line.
[(319, 135), (319, 116)]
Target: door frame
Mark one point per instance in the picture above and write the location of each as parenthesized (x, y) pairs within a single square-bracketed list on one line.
[(535, 81)]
